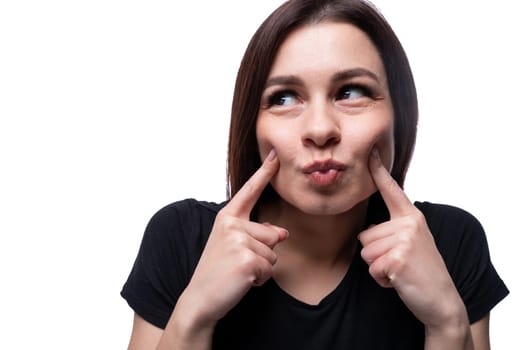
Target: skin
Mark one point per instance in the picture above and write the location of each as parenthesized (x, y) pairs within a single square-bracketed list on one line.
[(333, 106), (306, 116), (311, 112)]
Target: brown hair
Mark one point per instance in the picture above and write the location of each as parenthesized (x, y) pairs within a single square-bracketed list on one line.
[(243, 155)]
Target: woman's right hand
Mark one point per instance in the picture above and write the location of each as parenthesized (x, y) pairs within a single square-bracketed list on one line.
[(238, 255)]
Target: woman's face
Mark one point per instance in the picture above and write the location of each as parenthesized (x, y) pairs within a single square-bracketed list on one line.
[(325, 106)]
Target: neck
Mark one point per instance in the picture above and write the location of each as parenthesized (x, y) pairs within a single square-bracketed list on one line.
[(322, 239)]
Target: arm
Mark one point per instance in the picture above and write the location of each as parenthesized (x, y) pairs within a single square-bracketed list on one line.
[(186, 329), (145, 336), (475, 336), (238, 255), (455, 334), (480, 333), (402, 254)]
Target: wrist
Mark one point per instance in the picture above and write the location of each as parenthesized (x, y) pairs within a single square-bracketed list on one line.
[(189, 327), (452, 333)]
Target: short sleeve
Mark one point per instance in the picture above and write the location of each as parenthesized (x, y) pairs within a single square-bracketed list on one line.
[(462, 242), (170, 249)]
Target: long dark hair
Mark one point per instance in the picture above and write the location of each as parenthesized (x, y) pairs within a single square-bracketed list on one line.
[(243, 154)]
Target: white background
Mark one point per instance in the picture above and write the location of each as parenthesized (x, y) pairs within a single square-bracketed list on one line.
[(112, 109)]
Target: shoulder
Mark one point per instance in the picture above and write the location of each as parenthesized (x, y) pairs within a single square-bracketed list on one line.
[(450, 221), (183, 224), (188, 208), (175, 237), (185, 212), (458, 234), (461, 240), (459, 237), (444, 213), (169, 252)]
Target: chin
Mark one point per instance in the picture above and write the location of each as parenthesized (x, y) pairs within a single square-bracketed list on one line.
[(325, 205), (309, 199)]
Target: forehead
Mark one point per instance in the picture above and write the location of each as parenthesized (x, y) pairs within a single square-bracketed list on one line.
[(326, 47)]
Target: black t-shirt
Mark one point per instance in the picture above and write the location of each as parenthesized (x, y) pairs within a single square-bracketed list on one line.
[(358, 314)]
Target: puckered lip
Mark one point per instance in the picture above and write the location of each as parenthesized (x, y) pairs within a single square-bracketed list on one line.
[(323, 166)]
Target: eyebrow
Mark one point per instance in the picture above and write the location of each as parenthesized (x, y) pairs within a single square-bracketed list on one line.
[(284, 80), (353, 73), (337, 77)]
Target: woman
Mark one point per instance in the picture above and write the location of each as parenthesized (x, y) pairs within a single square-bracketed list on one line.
[(319, 247)]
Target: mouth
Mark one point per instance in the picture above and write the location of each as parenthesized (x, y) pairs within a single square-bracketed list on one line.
[(324, 173)]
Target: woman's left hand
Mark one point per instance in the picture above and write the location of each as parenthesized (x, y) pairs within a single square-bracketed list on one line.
[(401, 253)]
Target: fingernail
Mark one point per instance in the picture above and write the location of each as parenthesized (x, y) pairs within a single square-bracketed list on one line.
[(271, 155), (283, 234)]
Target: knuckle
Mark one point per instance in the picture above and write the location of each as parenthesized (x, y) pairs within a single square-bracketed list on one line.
[(231, 226), (376, 271), (223, 216), (419, 219), (364, 237), (247, 260), (261, 275), (418, 215), (238, 240), (273, 238), (382, 275), (221, 213), (224, 220), (406, 238), (365, 255), (272, 258), (411, 223), (396, 259), (256, 270), (272, 235)]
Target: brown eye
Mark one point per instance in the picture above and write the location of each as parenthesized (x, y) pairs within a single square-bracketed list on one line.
[(352, 92), (283, 98)]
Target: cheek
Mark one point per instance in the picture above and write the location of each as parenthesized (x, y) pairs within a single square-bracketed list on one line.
[(276, 137), (362, 137), (386, 147), (263, 143)]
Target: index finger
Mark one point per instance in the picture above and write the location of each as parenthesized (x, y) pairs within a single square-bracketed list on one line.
[(244, 200), (396, 200)]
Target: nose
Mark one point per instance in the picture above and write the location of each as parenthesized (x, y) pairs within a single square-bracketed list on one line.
[(320, 126)]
